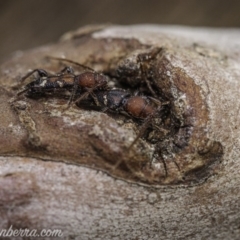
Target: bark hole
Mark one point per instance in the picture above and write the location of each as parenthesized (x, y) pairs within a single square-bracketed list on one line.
[(174, 146)]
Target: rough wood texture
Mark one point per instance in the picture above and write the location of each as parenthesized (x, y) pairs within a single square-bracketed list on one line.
[(49, 155)]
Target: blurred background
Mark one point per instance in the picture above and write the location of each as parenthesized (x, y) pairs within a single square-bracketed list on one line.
[(29, 23)]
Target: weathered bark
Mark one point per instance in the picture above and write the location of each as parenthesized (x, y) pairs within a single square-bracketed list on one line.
[(72, 169)]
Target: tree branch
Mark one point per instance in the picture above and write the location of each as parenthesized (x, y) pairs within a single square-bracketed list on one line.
[(72, 169)]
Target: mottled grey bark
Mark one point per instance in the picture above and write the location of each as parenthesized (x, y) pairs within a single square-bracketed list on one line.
[(72, 169)]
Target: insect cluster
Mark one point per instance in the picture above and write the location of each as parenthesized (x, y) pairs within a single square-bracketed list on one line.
[(93, 88)]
